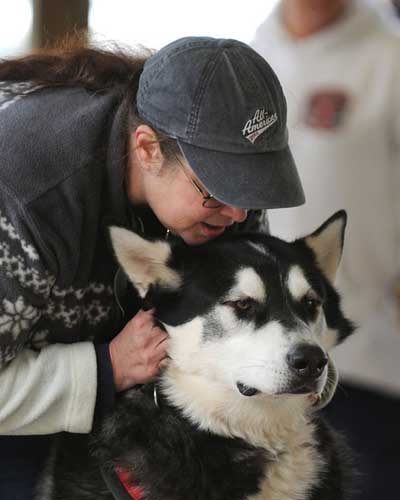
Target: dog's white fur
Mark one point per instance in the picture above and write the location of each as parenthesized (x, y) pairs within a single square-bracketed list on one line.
[(248, 284), (327, 247), (297, 283), (145, 262)]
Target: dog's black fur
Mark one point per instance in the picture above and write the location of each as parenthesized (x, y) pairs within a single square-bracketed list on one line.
[(174, 460)]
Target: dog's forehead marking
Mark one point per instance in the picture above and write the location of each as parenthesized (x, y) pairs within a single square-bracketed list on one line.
[(248, 283), (297, 283)]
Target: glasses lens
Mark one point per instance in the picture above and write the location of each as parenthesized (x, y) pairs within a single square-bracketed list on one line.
[(212, 203)]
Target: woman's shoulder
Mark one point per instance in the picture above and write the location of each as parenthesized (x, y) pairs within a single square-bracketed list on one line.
[(48, 135)]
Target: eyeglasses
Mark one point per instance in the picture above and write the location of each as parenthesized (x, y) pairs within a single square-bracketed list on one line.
[(208, 199)]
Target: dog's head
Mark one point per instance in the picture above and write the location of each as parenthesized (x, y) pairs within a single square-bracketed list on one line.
[(248, 312)]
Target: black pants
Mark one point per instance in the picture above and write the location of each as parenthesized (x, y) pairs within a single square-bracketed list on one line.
[(21, 460), (371, 423)]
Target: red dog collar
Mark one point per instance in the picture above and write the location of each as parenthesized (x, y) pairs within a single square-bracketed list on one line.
[(119, 483), (135, 492)]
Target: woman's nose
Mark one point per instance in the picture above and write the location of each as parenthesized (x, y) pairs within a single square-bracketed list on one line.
[(236, 214)]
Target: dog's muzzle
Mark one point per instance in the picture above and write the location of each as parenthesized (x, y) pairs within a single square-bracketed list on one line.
[(325, 396), (319, 400)]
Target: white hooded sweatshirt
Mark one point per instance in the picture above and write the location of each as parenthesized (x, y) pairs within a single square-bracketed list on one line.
[(343, 90)]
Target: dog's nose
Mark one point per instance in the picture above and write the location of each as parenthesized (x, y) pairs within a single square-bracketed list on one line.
[(307, 361)]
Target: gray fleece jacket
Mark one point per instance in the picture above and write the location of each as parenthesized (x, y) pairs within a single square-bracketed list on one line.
[(61, 186)]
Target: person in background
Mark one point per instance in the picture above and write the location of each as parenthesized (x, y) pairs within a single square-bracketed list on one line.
[(396, 5), (90, 138), (339, 65)]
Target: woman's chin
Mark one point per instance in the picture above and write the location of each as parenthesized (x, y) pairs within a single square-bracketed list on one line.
[(211, 231), (201, 233)]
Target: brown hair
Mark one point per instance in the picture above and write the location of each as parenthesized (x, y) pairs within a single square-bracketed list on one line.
[(74, 63)]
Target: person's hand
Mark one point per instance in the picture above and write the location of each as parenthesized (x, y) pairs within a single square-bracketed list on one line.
[(138, 351)]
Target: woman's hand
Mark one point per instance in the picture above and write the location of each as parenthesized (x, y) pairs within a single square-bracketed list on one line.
[(138, 351)]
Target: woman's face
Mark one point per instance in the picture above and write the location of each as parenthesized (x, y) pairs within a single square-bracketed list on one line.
[(178, 205), (167, 188)]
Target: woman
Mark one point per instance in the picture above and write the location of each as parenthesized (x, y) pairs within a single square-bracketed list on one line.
[(183, 143)]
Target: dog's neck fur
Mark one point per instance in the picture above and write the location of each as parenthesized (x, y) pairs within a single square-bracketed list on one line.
[(279, 425), (266, 421)]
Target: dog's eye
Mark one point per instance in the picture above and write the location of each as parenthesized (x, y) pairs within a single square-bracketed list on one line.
[(242, 305), (311, 303)]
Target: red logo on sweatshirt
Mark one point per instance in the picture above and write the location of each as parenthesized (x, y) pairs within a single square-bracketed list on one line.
[(326, 109)]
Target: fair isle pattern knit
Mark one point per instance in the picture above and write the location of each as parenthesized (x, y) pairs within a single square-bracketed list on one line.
[(22, 278), (19, 264), (62, 309), (94, 312), (17, 317), (9, 229)]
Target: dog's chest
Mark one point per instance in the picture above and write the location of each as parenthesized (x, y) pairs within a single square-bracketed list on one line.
[(292, 475)]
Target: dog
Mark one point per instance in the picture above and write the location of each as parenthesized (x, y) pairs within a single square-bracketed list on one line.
[(251, 320)]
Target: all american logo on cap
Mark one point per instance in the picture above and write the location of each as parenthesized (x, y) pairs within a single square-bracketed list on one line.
[(257, 125)]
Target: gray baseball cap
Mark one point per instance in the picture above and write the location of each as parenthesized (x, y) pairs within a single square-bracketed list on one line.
[(225, 106)]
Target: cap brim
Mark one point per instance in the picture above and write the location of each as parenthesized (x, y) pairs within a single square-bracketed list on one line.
[(263, 180)]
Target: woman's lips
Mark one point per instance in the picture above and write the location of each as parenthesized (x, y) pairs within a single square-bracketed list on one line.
[(212, 231)]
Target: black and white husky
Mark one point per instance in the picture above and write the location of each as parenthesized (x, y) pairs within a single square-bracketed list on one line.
[(251, 321)]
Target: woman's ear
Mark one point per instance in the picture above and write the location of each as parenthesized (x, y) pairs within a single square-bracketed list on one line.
[(147, 149)]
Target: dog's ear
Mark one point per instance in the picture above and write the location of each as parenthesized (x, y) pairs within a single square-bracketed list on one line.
[(145, 262), (327, 243)]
